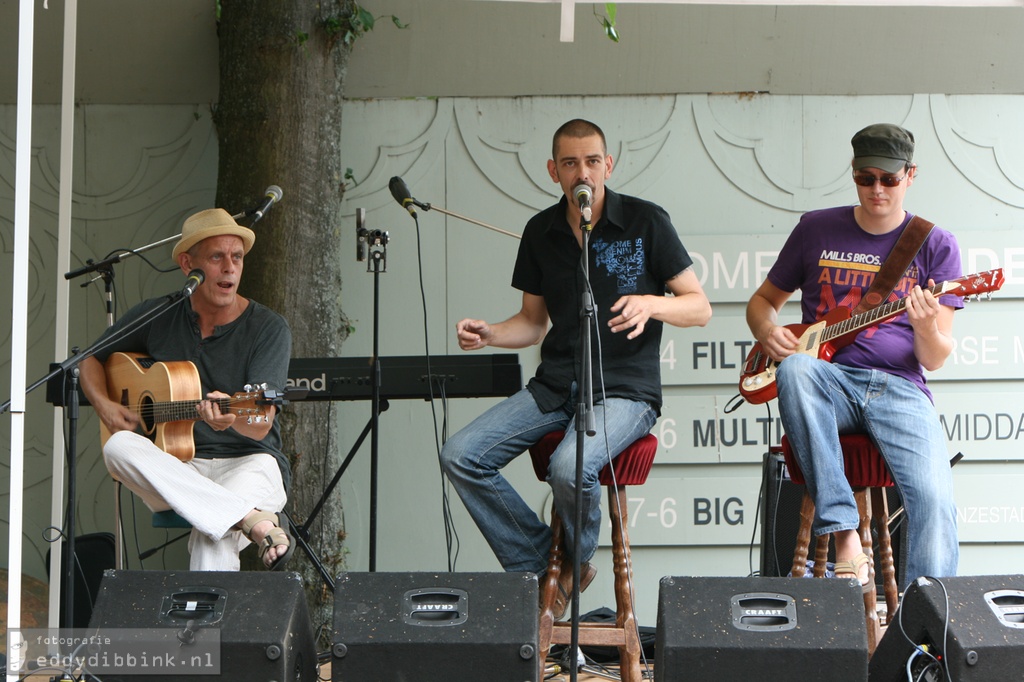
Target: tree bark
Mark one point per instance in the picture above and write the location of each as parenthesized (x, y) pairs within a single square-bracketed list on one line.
[(282, 74)]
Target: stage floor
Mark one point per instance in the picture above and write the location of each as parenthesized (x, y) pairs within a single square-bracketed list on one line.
[(588, 674), (607, 673)]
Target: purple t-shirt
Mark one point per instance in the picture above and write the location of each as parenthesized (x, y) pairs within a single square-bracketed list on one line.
[(833, 262)]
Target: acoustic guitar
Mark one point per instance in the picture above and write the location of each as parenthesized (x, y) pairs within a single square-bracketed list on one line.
[(839, 327), (165, 395)]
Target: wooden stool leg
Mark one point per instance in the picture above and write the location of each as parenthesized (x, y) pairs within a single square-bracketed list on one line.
[(821, 554), (629, 650), (803, 537), (549, 588), (870, 596), (880, 514)]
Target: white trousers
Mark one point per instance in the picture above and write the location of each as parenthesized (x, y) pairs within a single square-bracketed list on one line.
[(211, 494)]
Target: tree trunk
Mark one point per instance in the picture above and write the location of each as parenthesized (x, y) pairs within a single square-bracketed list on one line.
[(279, 123)]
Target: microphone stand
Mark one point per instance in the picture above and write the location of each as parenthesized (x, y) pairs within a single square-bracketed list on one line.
[(378, 258), (103, 266), (585, 426), (428, 206), (585, 421), (70, 401), (374, 241)]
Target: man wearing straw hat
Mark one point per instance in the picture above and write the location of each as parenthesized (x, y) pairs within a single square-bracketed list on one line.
[(232, 488)]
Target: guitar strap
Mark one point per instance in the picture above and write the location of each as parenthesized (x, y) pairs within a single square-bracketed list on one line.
[(896, 264)]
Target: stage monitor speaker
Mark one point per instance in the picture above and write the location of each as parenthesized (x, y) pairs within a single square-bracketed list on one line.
[(435, 627), (251, 625), (973, 626), (780, 521), (768, 629)]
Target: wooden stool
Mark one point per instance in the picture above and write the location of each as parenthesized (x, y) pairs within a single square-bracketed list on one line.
[(630, 468), (868, 476)]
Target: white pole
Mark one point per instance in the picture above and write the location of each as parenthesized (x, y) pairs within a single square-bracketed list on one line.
[(19, 321), (67, 149)]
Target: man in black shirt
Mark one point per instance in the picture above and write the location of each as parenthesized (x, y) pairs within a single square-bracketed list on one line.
[(635, 255)]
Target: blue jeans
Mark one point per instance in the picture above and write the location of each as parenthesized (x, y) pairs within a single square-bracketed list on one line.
[(474, 457), (818, 401)]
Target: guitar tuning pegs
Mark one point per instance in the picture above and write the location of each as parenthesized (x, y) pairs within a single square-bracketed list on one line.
[(247, 388)]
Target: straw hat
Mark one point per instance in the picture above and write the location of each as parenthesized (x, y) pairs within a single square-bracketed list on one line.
[(213, 222)]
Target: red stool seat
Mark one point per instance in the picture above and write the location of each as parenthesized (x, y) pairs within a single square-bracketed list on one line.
[(867, 474), (631, 467), (862, 462)]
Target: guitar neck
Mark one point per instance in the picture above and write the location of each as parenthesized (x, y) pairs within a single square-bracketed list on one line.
[(870, 318), (178, 410)]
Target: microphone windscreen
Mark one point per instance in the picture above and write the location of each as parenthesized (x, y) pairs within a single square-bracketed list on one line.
[(274, 192), (399, 190)]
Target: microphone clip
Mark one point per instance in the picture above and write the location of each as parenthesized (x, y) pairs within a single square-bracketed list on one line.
[(377, 245), (374, 242)]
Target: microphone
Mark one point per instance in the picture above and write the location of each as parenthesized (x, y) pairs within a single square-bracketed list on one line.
[(273, 195), (584, 195), (400, 191), (195, 278)]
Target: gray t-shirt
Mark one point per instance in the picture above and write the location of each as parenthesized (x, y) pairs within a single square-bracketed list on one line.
[(254, 349)]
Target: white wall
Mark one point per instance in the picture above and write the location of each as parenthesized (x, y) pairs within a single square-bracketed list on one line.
[(165, 51)]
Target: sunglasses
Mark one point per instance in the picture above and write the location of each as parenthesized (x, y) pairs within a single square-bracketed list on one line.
[(869, 180)]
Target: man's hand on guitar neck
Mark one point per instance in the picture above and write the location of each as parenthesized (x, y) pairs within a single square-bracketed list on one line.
[(933, 327), (209, 412)]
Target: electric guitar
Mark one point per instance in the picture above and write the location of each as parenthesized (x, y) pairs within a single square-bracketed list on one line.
[(839, 327), (165, 395)]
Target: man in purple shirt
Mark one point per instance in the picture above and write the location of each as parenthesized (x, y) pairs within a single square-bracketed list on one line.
[(875, 385)]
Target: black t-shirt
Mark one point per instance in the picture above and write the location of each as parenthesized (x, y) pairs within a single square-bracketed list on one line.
[(634, 249)]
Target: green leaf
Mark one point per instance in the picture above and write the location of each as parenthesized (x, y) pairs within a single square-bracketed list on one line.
[(610, 9), (366, 19), (610, 31)]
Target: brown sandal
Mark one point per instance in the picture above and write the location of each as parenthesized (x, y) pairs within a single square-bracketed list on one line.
[(852, 568), (275, 537)]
